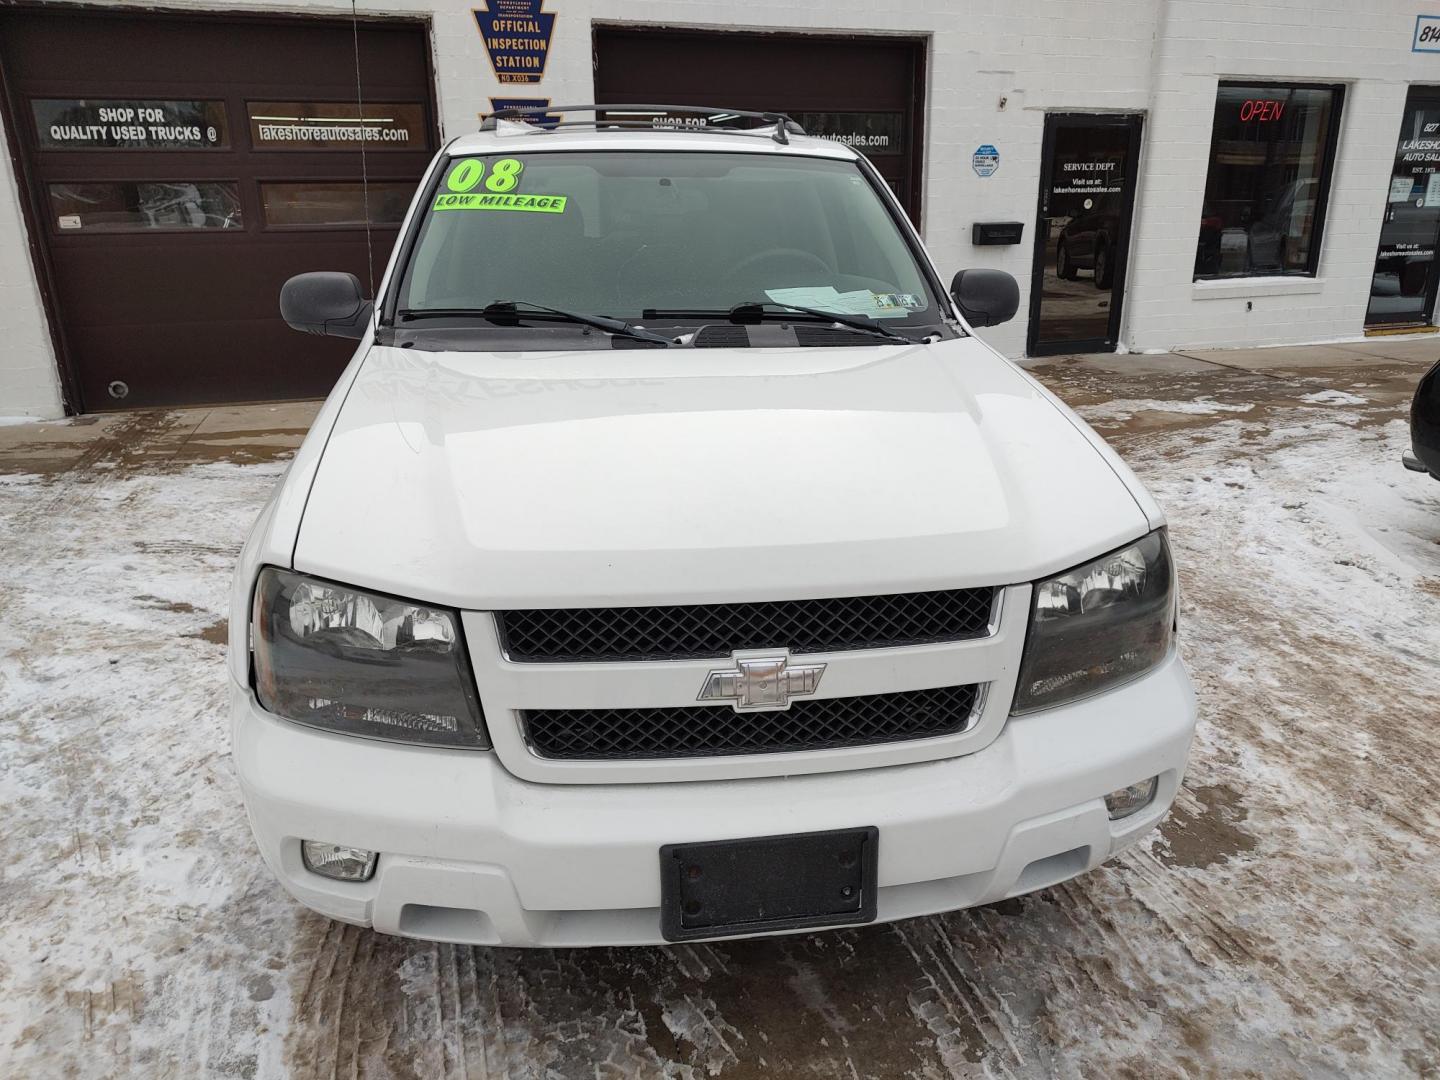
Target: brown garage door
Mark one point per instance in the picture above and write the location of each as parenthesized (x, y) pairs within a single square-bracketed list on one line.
[(866, 91), (178, 169)]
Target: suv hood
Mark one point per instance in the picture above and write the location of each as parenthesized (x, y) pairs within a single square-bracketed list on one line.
[(495, 480)]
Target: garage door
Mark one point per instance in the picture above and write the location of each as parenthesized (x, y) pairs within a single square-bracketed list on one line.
[(178, 170), (866, 91)]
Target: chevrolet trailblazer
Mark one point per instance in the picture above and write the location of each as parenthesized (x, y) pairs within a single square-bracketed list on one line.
[(672, 561)]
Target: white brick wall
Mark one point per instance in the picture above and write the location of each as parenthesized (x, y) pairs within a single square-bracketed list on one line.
[(1366, 47), (29, 380), (1163, 58)]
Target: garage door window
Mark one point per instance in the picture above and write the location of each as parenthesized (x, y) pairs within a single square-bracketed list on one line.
[(331, 125), (1271, 154), (868, 132), (111, 124), (145, 205), (331, 203)]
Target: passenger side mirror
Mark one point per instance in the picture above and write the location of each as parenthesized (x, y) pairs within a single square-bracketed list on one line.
[(986, 297), (326, 303)]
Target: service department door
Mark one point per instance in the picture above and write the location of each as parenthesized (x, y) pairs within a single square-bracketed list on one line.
[(1402, 292), (864, 91), (178, 169), (1087, 192)]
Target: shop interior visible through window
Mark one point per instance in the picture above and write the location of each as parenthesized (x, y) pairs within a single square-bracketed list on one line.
[(1271, 154)]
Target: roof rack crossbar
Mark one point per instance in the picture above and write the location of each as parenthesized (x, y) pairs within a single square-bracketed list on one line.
[(784, 125), (641, 125)]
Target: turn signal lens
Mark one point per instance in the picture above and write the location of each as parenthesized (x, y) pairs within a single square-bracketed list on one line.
[(336, 861), (1132, 799)]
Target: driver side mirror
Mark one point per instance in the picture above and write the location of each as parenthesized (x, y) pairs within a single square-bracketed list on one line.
[(985, 297), (325, 303)]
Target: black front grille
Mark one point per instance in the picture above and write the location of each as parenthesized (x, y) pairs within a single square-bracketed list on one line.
[(709, 730), (701, 631)]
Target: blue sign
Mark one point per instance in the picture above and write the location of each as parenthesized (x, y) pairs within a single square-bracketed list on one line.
[(986, 160), (545, 120), (1427, 34), (516, 34)]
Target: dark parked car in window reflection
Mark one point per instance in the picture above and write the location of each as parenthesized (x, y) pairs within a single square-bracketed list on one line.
[(1088, 243), (1277, 240), (1232, 243), (1402, 264)]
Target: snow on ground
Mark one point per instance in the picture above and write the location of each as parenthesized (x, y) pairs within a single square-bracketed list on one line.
[(1333, 397), (1311, 576), (137, 936), (1126, 408), (1284, 922)]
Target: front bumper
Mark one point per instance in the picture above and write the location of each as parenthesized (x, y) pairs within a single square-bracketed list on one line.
[(471, 854)]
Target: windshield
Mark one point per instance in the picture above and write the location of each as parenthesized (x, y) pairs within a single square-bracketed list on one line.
[(631, 233)]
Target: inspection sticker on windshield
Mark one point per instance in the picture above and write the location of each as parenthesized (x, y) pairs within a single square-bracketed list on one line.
[(859, 302), (489, 200), (890, 301)]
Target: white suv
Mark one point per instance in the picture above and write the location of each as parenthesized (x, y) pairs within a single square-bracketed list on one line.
[(672, 562)]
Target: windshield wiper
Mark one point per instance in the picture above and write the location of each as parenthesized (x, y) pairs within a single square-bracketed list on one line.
[(754, 311), (503, 310)]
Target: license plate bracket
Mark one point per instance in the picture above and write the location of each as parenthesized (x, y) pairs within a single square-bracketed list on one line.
[(721, 888)]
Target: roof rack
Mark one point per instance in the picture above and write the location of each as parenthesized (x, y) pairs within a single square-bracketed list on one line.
[(784, 126)]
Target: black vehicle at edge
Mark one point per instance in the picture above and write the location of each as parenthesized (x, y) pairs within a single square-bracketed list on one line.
[(1088, 242), (1424, 454)]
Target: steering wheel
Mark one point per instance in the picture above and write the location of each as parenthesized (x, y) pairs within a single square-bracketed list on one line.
[(794, 255)]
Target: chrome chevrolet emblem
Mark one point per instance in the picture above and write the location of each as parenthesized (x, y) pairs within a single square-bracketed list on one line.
[(761, 681)]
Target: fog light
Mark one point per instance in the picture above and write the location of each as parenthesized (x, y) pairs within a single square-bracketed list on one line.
[(1130, 799), (338, 862)]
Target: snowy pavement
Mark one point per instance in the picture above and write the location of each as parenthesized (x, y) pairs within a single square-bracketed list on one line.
[(1284, 922)]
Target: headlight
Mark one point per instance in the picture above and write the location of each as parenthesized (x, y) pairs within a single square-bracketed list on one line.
[(363, 664), (1099, 625)]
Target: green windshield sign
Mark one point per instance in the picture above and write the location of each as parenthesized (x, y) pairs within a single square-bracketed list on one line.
[(499, 192), (486, 200)]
